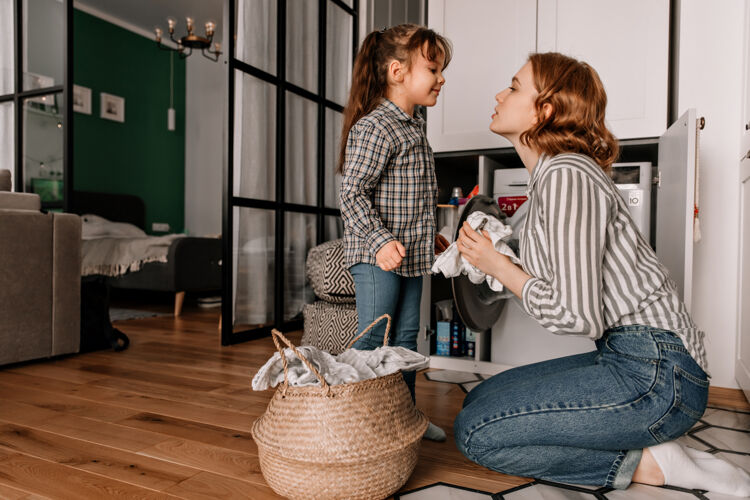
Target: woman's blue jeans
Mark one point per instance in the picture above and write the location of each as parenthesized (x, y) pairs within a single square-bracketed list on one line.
[(379, 292), (585, 419)]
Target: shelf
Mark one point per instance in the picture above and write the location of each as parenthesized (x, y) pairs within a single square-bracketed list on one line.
[(466, 364), (458, 358), (44, 113)]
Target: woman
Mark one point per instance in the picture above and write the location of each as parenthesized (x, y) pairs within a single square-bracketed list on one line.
[(608, 417)]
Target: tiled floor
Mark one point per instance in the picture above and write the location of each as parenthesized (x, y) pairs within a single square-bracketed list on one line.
[(722, 432)]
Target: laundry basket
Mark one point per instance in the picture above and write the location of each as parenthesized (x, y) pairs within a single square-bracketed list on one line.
[(355, 441)]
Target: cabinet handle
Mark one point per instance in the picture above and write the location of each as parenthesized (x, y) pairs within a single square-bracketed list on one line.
[(747, 126), (747, 155)]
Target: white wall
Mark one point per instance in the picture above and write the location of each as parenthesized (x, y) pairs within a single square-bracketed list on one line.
[(204, 143), (709, 78)]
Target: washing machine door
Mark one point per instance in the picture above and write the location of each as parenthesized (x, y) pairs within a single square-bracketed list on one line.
[(478, 305)]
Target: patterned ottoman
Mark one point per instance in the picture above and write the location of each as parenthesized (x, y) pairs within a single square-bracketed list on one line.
[(331, 322), (330, 327), (328, 274)]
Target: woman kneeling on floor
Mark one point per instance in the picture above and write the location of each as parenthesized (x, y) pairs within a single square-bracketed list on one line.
[(608, 417)]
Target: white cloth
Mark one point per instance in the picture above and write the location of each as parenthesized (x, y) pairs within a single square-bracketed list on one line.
[(94, 226), (350, 366), (115, 248), (451, 263), (117, 256)]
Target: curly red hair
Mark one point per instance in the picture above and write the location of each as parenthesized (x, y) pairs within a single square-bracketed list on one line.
[(571, 105)]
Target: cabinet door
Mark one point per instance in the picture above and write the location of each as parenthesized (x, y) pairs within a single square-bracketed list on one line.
[(742, 364), (675, 202), (628, 45), (491, 41)]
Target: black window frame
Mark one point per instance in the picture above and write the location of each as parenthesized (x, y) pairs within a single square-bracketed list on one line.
[(278, 205), (18, 96)]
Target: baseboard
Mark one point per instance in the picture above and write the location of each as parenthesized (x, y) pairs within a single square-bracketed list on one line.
[(727, 398), (742, 374)]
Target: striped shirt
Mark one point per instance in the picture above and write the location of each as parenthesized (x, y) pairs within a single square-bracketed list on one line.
[(591, 268), (389, 189)]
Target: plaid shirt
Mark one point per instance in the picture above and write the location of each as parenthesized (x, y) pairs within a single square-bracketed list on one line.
[(389, 189)]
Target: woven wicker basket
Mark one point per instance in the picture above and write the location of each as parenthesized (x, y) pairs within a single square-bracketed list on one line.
[(353, 441)]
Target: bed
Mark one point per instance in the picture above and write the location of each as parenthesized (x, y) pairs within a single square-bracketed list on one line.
[(176, 264)]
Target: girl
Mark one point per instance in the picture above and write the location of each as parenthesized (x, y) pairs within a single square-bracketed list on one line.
[(389, 191), (607, 417)]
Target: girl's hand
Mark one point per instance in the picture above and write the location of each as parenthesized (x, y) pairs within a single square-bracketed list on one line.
[(478, 250), (390, 255), (440, 244)]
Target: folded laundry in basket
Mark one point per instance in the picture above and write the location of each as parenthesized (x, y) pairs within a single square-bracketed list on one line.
[(350, 366), (451, 263), (382, 361)]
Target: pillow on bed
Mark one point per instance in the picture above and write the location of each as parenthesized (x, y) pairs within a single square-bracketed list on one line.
[(94, 226)]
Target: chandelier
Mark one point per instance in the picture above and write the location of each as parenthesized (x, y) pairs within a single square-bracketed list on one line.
[(187, 43)]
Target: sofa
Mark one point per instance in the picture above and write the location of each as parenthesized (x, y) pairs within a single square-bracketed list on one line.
[(40, 278), (330, 322)]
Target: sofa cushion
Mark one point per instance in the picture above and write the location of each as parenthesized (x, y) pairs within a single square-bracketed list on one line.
[(20, 201), (330, 327), (66, 283), (328, 274), (26, 275)]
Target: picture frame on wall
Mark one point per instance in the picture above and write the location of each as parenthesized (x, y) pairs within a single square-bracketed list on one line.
[(81, 99), (112, 107)]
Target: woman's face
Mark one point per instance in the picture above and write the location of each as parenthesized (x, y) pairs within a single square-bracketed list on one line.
[(515, 112)]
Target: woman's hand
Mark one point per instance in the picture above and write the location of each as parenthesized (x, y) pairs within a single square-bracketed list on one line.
[(440, 244), (478, 250)]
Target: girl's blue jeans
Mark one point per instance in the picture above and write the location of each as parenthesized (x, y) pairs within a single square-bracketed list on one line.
[(585, 419), (379, 292)]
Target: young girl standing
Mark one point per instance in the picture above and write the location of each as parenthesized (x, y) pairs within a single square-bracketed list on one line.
[(609, 417), (389, 190)]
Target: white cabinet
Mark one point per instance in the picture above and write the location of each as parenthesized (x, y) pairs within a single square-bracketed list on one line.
[(491, 40), (675, 211), (626, 42)]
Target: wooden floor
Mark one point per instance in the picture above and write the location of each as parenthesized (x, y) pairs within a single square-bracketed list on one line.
[(170, 418)]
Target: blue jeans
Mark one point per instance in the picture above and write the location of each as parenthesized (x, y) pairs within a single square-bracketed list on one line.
[(585, 419), (379, 292)]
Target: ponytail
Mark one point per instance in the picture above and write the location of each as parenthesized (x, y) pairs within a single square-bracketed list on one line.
[(369, 85), (370, 72)]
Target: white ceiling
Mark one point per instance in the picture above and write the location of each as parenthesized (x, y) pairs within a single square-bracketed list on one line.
[(145, 15)]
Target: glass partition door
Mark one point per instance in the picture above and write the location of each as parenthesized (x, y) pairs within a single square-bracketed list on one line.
[(289, 71), (7, 85), (35, 90)]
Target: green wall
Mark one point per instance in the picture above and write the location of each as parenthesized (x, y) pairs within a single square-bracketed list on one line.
[(140, 156)]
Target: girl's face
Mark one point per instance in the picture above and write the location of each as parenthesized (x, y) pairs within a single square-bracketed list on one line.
[(423, 80), (515, 112)]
